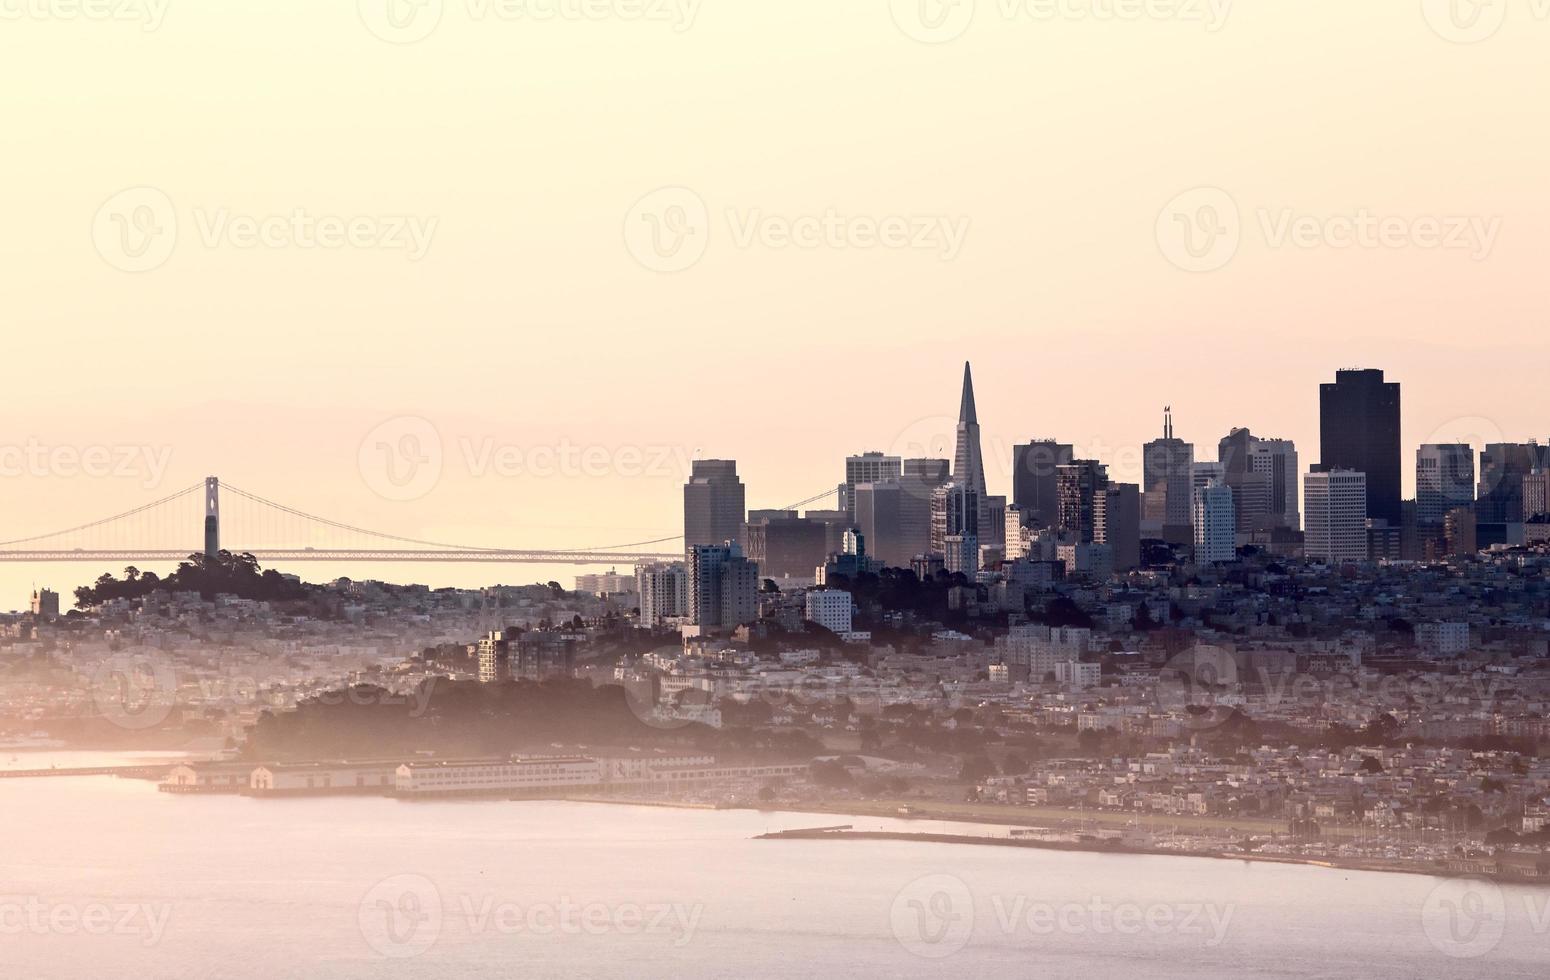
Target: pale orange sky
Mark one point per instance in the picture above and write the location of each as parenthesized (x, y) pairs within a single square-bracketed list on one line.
[(1052, 145)]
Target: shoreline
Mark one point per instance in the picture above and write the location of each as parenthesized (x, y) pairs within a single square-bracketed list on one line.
[(1333, 864), (1371, 865)]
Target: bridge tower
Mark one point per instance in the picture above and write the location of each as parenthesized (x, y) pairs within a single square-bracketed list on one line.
[(212, 517)]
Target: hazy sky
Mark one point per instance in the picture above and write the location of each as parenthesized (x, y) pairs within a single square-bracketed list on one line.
[(585, 240)]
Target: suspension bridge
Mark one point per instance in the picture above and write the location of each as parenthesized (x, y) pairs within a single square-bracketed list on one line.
[(208, 514)]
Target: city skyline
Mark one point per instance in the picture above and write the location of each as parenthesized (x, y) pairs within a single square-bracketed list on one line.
[(998, 465)]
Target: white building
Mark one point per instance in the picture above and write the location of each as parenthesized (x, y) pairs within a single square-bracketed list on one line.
[(514, 775), (1336, 516), (830, 608), (1077, 676), (606, 583), (1443, 639), (1215, 521), (664, 592)]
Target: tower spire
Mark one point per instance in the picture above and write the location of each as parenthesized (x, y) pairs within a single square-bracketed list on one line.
[(968, 464), (966, 413)]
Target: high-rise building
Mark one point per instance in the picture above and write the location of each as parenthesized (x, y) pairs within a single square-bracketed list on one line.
[(866, 468), (968, 463), (1033, 480), (723, 587), (714, 505), (1359, 430), (1536, 497), (664, 592), (1276, 459), (1079, 487), (1215, 524), (1120, 527), (1503, 466), (1263, 476), (786, 546), (879, 518), (1444, 479), (1335, 515), (895, 515), (1166, 465), (955, 512), (992, 520)]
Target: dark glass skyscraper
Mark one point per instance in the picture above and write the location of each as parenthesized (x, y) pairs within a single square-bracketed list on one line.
[(1359, 430)]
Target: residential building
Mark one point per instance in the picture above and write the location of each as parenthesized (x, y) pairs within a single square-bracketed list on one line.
[(664, 592)]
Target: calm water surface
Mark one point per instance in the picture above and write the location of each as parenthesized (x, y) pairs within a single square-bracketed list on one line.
[(102, 877)]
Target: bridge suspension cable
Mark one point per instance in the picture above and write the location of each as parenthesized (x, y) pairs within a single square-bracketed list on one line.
[(107, 520)]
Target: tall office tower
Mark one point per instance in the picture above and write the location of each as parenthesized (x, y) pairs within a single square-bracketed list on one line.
[(784, 545), (879, 519), (664, 591), (714, 507), (993, 520), (1335, 513), (968, 464), (1078, 487), (1503, 466), (866, 468), (1444, 479), (1536, 501), (1033, 480), (1165, 465), (955, 512), (1120, 527), (723, 587), (1253, 488), (920, 481), (1276, 459), (1359, 431), (1215, 524)]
